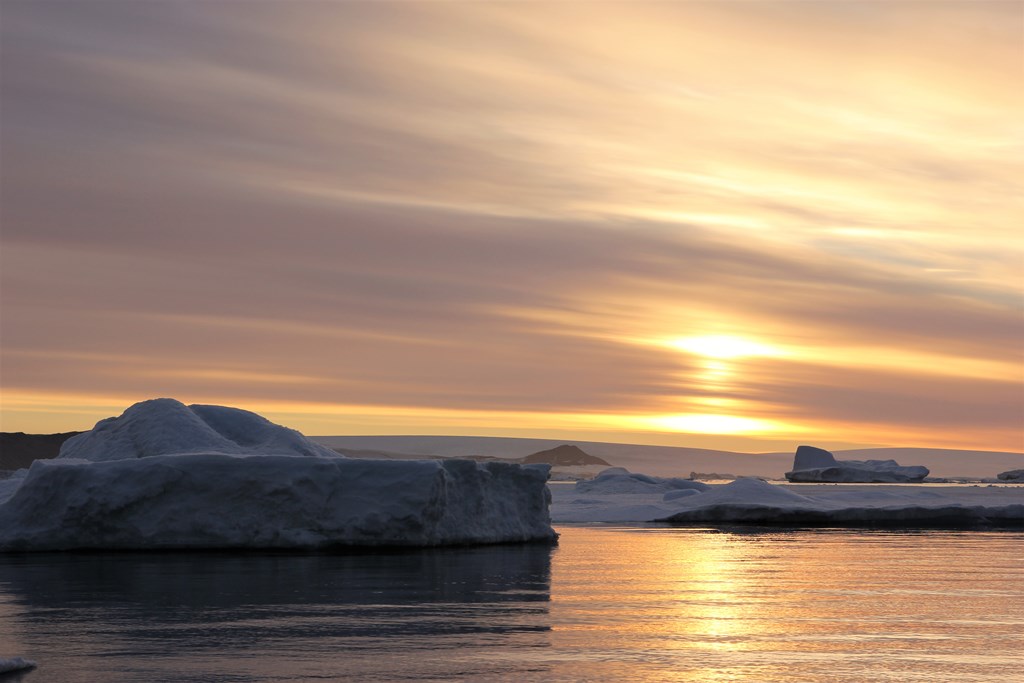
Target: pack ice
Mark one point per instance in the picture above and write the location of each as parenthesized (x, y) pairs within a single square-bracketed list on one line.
[(812, 464), (166, 475), (620, 496)]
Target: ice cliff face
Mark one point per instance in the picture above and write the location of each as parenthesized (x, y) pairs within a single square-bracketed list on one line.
[(164, 475), (223, 501), (818, 465)]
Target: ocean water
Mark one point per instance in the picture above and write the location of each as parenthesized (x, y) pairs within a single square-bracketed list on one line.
[(606, 604)]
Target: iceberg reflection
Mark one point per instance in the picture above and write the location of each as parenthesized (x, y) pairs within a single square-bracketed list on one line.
[(214, 616)]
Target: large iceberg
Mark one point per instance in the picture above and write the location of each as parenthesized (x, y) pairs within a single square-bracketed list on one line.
[(166, 475), (818, 465)]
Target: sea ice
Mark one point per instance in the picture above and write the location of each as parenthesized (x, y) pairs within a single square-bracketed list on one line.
[(818, 465), (166, 475), (752, 501)]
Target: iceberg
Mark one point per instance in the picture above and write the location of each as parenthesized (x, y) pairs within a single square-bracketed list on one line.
[(168, 476), (1011, 475), (818, 465)]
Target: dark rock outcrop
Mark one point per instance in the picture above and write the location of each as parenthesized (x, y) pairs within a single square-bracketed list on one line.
[(18, 449), (564, 456)]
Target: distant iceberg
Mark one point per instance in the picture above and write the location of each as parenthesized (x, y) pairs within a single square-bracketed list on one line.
[(1011, 475), (818, 465), (165, 475)]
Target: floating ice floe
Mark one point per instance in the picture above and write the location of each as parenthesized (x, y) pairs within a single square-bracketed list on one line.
[(166, 475), (753, 501), (818, 465)]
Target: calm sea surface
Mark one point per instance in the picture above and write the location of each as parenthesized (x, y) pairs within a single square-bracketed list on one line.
[(608, 604)]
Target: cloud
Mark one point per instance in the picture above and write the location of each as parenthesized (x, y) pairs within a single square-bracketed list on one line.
[(464, 206)]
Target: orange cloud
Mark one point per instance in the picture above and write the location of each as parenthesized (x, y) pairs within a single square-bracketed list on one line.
[(463, 217)]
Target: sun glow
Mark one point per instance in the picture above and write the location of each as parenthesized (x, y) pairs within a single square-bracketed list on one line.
[(712, 424), (723, 346)]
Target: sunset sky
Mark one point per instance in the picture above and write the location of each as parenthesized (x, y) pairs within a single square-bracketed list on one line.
[(739, 225)]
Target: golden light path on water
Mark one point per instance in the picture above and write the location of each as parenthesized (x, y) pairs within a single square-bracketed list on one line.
[(763, 605)]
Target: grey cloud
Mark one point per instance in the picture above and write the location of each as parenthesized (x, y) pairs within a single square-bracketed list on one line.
[(890, 397)]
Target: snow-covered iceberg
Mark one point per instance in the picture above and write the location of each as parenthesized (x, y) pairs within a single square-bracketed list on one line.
[(163, 426), (166, 475), (818, 465)]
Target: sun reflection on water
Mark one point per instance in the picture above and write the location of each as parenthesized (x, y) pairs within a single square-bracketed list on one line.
[(705, 605)]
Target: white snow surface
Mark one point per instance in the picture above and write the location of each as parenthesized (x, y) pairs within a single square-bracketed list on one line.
[(752, 501), (621, 480), (15, 664), (242, 482)]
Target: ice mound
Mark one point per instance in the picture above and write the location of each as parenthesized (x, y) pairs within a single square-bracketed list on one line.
[(818, 465), (621, 480), (1011, 475), (164, 475), (744, 500), (163, 426)]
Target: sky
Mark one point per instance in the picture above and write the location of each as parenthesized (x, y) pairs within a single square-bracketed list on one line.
[(736, 225)]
